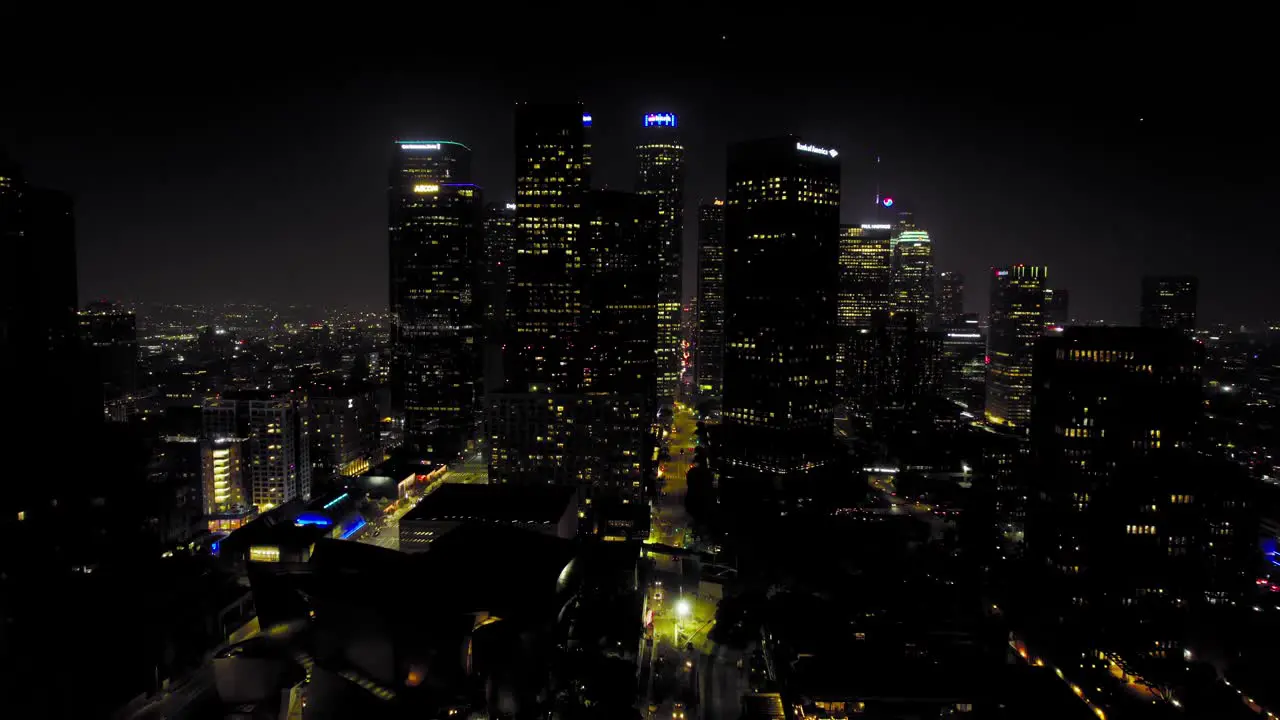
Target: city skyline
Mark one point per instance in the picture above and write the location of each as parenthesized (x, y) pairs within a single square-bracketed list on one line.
[(997, 178)]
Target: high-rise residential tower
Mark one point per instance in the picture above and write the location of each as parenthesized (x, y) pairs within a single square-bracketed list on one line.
[(276, 430), (436, 248), (709, 347), (950, 298), (1169, 301), (1015, 323), (781, 281), (912, 284), (660, 165)]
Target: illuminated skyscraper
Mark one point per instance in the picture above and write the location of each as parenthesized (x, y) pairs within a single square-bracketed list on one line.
[(544, 299), (710, 331), (781, 281), (912, 271), (1169, 301), (660, 164), (582, 319), (1015, 323), (950, 297), (436, 266), (866, 264), (594, 435)]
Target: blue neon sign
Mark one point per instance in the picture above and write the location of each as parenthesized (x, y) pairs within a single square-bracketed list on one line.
[(353, 529), (335, 501), (660, 120), (586, 119), (312, 519)]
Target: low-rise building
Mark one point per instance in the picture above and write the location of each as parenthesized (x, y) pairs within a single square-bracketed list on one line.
[(550, 510)]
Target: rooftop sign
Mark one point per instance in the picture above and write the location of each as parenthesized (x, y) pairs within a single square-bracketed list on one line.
[(660, 120), (828, 152)]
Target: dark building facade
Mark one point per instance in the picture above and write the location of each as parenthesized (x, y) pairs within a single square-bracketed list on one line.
[(950, 297), (781, 282), (344, 431), (660, 175), (1057, 308), (499, 249), (436, 264), (1016, 321), (619, 328), (893, 363), (1169, 301), (109, 336), (964, 348), (709, 345), (1136, 529), (51, 379)]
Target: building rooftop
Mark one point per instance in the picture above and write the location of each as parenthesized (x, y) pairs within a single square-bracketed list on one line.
[(498, 503)]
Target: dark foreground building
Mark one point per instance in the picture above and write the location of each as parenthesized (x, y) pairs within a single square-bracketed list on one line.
[(1138, 534), (781, 232)]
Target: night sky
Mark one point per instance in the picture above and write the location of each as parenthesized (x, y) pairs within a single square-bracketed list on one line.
[(250, 165)]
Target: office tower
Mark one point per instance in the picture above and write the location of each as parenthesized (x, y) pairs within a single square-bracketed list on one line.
[(950, 297), (1057, 310), (1136, 530), (781, 281), (1016, 321), (660, 164), (893, 363), (544, 296), (912, 282), (276, 430), (964, 348), (1169, 301), (709, 347), (436, 264), (499, 248), (109, 335), (619, 328), (866, 264), (593, 436), (344, 431)]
